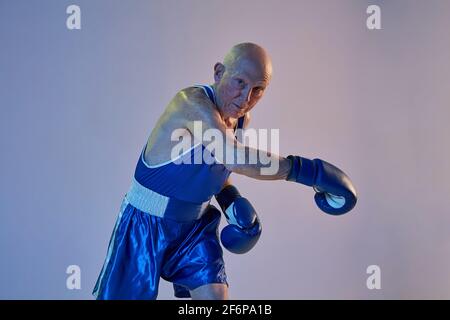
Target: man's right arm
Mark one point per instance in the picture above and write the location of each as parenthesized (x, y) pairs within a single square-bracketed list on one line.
[(197, 109), (335, 193)]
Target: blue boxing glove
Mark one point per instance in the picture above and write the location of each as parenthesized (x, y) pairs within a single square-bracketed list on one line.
[(244, 228), (335, 193)]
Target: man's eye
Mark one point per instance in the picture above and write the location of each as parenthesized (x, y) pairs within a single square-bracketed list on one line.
[(259, 91)]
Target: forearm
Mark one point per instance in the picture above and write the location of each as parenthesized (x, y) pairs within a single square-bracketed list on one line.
[(258, 164), (235, 156), (227, 183)]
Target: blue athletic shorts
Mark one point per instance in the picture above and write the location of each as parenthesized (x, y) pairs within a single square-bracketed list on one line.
[(144, 247)]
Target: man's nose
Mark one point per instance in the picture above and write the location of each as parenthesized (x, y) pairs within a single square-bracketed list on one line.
[(247, 94)]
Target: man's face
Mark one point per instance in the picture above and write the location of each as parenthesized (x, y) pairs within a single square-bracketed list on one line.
[(241, 86)]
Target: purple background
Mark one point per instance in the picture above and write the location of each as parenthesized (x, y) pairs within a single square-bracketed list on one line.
[(78, 105)]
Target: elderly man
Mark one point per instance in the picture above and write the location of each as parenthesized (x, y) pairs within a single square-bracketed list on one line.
[(166, 226)]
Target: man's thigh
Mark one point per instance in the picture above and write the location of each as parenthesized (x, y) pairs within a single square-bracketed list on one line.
[(210, 291)]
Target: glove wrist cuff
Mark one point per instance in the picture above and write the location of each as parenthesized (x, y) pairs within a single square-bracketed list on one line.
[(227, 196), (302, 170), (295, 168)]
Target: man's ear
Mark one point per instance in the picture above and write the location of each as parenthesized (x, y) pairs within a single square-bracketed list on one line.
[(219, 70)]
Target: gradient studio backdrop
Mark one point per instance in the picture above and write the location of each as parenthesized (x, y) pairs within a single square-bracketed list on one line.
[(78, 105)]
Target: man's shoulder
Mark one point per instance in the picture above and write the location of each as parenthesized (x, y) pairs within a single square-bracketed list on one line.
[(191, 95), (192, 99)]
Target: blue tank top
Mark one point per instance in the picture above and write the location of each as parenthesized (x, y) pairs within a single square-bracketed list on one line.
[(187, 180)]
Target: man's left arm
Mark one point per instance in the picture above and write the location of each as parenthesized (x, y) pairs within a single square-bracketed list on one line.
[(244, 228)]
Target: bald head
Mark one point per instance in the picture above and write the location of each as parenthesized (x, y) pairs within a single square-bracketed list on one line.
[(248, 53)]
